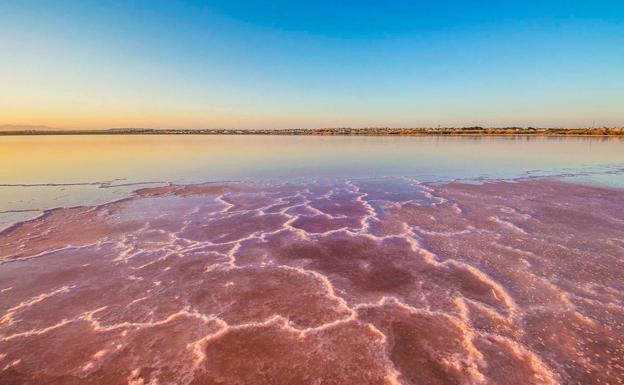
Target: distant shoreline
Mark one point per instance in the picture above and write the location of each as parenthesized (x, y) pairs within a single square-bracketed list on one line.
[(467, 131)]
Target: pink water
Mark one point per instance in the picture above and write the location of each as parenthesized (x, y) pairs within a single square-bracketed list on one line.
[(319, 281)]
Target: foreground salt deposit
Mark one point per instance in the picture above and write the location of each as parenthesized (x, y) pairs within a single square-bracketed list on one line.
[(320, 281)]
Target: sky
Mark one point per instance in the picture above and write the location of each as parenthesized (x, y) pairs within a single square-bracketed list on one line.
[(86, 64)]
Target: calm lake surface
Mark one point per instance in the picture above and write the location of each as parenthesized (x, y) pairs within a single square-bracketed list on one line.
[(333, 260), (39, 173)]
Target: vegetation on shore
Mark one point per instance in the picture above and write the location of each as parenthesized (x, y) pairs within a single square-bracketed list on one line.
[(373, 131)]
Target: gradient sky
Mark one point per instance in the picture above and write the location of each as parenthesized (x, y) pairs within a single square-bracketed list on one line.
[(279, 64)]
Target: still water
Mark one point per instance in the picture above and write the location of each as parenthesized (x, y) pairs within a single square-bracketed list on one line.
[(329, 269), (38, 173)]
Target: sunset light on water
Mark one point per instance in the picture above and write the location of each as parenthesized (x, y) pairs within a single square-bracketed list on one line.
[(216, 193)]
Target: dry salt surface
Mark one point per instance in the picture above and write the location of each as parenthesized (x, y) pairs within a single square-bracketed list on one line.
[(320, 282)]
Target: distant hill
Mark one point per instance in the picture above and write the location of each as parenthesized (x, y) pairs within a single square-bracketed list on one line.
[(25, 127), (371, 131)]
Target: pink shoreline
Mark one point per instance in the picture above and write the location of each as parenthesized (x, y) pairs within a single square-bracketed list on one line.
[(359, 282)]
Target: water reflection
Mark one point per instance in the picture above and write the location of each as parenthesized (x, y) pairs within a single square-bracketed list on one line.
[(123, 160)]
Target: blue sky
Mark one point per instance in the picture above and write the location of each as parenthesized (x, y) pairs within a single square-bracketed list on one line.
[(258, 64)]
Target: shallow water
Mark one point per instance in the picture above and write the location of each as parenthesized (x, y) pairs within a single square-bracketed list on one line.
[(39, 173), (308, 276)]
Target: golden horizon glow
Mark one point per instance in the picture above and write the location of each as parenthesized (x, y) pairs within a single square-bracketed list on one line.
[(89, 65)]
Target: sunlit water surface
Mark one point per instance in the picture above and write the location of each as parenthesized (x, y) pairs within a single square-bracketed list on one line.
[(39, 173), (369, 261)]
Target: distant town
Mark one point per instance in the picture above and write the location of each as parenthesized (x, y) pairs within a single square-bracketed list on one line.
[(373, 131)]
